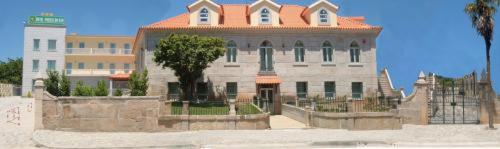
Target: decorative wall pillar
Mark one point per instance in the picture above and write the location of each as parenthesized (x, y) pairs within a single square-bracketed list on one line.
[(38, 95), (232, 107), (185, 107)]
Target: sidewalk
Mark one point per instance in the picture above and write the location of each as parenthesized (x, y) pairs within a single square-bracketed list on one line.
[(283, 122), (409, 136)]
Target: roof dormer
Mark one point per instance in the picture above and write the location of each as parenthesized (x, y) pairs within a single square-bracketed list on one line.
[(204, 12), (321, 13), (264, 12)]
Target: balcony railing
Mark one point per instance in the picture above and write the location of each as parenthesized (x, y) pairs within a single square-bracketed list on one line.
[(96, 72), (98, 51)]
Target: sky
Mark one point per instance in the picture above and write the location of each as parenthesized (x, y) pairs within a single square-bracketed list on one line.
[(423, 35)]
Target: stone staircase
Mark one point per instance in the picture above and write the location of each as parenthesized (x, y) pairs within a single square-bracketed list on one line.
[(385, 85)]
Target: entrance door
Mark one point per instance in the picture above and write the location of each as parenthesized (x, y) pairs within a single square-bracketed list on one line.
[(267, 95)]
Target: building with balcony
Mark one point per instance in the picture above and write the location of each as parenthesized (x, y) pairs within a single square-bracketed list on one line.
[(273, 50), (85, 58)]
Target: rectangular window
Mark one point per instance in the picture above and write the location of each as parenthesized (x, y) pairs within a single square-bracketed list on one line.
[(126, 66), (51, 65), (126, 46), (299, 54), (357, 90), (69, 67), (327, 55), (81, 45), (173, 90), (100, 45), (112, 68), (330, 90), (36, 64), (113, 48), (232, 90), (231, 55), (302, 90), (266, 60), (202, 90), (81, 65), (36, 44), (100, 66), (355, 55), (52, 45), (69, 45)]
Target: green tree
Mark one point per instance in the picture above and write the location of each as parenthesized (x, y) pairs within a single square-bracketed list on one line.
[(83, 90), (188, 56), (52, 83), (65, 85), (138, 83), (481, 13), (11, 72), (101, 89), (118, 92)]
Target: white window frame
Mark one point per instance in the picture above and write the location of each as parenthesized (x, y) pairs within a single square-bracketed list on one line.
[(329, 57), (232, 47), (354, 52), (268, 16), (327, 15), (299, 46), (37, 68), (200, 17), (54, 49)]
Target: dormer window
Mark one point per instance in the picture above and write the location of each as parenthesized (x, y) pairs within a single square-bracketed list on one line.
[(323, 17), (204, 16), (265, 16)]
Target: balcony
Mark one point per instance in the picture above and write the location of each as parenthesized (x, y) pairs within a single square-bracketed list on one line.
[(99, 51), (96, 72)]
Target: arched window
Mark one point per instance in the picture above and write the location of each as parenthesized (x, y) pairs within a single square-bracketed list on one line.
[(204, 16), (231, 52), (265, 16), (266, 57), (355, 52), (323, 17), (299, 51), (327, 52)]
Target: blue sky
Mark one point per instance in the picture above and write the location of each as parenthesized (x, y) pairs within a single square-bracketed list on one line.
[(429, 35)]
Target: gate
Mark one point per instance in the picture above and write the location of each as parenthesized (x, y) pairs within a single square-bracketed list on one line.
[(454, 100)]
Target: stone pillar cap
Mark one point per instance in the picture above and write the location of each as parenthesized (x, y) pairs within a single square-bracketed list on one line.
[(421, 78)]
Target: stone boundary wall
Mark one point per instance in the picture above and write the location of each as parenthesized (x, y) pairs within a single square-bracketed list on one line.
[(6, 90), (293, 112), (213, 122), (351, 121)]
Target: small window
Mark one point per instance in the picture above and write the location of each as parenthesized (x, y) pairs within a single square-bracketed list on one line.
[(69, 45), (299, 51), (204, 16), (302, 90), (36, 65), (51, 65), (100, 45), (232, 90), (126, 66), (112, 47), (81, 45), (112, 68), (81, 65), (330, 90), (231, 52), (52, 45), (69, 67), (36, 44), (357, 90), (327, 52), (126, 46), (265, 16), (100, 66), (202, 91), (173, 90), (323, 17), (355, 52)]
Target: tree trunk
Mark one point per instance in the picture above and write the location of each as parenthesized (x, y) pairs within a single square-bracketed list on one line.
[(489, 87)]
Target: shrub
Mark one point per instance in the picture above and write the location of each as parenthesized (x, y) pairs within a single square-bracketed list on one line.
[(118, 92), (138, 83), (65, 85), (52, 83), (83, 90), (29, 95), (101, 89)]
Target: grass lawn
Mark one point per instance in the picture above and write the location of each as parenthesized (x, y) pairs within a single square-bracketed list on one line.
[(245, 109), (214, 109)]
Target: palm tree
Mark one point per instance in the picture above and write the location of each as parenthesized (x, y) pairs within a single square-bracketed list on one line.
[(481, 13)]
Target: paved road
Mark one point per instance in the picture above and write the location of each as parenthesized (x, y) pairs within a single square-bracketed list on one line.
[(409, 136)]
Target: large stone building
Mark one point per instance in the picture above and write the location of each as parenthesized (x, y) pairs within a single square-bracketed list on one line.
[(272, 50)]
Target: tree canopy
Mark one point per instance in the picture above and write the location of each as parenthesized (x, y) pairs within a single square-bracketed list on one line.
[(11, 71), (188, 56)]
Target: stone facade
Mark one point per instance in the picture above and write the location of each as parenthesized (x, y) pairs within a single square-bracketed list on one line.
[(313, 71), (6, 90), (214, 122)]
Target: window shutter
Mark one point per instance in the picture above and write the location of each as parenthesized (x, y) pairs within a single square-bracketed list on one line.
[(296, 55), (234, 54), (352, 55), (228, 55), (262, 59), (324, 55), (270, 59)]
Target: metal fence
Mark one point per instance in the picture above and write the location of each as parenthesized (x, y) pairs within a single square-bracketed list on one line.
[(218, 107), (342, 104)]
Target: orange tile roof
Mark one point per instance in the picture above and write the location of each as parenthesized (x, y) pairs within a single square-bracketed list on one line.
[(120, 77), (235, 16), (267, 80)]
